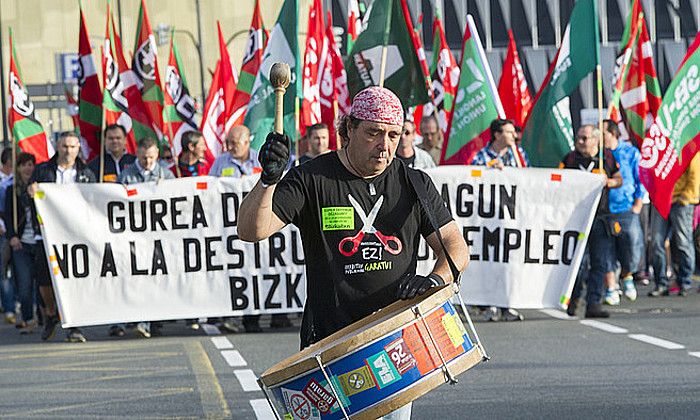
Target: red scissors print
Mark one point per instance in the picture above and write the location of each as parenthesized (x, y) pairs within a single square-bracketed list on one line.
[(391, 243)]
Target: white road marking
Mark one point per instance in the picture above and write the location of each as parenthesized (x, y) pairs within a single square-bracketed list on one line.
[(603, 326), (670, 345), (262, 409), (247, 379), (556, 313), (210, 329), (221, 343), (233, 358), (694, 354)]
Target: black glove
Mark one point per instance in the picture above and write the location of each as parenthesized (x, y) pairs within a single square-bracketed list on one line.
[(412, 285), (274, 156)]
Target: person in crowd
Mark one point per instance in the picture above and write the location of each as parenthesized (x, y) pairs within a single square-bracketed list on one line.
[(679, 227), (116, 157), (65, 167), (318, 137), (242, 161), (23, 240), (166, 158), (7, 290), (499, 153), (412, 156), (144, 169), (596, 259), (363, 175), (625, 204), (191, 160), (432, 137)]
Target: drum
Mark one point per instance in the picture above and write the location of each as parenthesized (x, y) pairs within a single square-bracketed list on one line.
[(377, 364)]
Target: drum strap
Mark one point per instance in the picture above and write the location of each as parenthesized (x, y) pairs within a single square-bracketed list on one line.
[(421, 190)]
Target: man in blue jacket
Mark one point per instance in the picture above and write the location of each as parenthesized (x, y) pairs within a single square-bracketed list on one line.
[(624, 222)]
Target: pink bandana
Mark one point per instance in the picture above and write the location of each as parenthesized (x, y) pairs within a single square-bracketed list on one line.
[(379, 105)]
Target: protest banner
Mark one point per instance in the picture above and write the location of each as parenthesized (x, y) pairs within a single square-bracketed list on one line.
[(171, 251)]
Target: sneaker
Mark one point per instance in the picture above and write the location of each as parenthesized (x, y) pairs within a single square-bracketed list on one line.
[(228, 327), (571, 309), (491, 314), (10, 318), (642, 277), (144, 329), (116, 331), (612, 297), (192, 323), (75, 336), (629, 289), (50, 324), (659, 291), (26, 327), (596, 311), (509, 314)]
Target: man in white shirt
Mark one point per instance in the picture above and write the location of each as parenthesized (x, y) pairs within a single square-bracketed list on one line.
[(410, 155), (240, 160)]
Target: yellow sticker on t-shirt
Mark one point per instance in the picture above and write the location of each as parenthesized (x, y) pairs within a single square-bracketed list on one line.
[(228, 172), (338, 218)]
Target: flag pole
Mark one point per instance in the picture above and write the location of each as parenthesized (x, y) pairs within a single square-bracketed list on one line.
[(601, 144), (387, 31), (15, 189), (335, 113)]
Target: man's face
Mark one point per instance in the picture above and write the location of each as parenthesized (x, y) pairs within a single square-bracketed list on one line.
[(318, 141), (506, 136), (115, 141), (238, 145), (431, 133), (197, 149), (408, 135), (372, 146), (586, 143), (68, 149), (167, 155), (147, 157)]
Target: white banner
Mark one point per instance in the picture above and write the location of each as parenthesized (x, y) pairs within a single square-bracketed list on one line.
[(170, 251), (526, 230)]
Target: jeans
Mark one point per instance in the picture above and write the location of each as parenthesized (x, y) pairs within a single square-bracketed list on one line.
[(680, 227), (629, 244), (7, 289), (595, 263), (25, 277)]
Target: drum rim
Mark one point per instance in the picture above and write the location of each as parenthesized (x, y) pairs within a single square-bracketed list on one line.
[(304, 362)]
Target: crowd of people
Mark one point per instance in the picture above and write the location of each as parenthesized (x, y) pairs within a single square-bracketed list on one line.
[(629, 242)]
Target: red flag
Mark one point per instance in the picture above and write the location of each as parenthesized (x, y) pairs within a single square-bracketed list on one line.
[(179, 104), (123, 103), (333, 86), (417, 45), (145, 66), (512, 88), (27, 131), (89, 96), (444, 73), (218, 108), (255, 46), (354, 23), (316, 54)]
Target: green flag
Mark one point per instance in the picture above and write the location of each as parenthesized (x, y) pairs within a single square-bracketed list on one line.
[(282, 47), (548, 135), (387, 26)]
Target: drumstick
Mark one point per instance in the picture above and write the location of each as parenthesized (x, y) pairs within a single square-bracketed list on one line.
[(280, 76)]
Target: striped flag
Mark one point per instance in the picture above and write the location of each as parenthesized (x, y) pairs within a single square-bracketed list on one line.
[(89, 96), (179, 110)]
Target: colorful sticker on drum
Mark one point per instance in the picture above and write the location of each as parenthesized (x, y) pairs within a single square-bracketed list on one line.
[(299, 407), (319, 396), (400, 355), (455, 333), (356, 381), (383, 370)]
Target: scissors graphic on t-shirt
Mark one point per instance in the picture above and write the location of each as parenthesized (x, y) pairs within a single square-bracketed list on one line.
[(391, 243)]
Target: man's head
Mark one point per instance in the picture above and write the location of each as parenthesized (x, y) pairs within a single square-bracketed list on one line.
[(6, 157), (238, 142), (372, 130), (318, 137), (430, 130), (166, 155), (587, 139), (115, 139), (25, 166), (193, 143), (67, 148), (408, 135), (611, 134), (147, 153), (502, 133)]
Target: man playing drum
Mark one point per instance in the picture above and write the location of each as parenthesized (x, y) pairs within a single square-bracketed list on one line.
[(359, 216)]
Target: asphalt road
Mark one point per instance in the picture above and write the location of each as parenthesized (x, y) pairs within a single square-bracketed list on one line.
[(544, 367)]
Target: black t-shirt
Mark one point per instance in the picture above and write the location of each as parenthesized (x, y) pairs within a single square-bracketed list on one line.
[(346, 284), (575, 160)]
